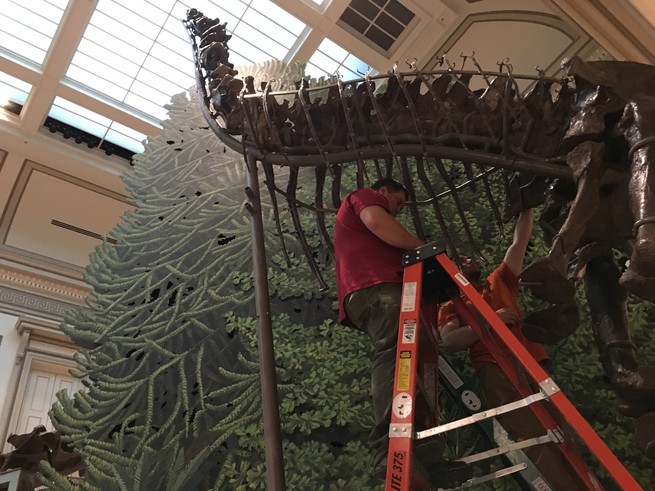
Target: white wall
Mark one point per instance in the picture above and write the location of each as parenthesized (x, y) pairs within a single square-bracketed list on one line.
[(8, 368)]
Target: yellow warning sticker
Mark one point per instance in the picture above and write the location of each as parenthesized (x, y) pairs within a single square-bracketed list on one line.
[(404, 370)]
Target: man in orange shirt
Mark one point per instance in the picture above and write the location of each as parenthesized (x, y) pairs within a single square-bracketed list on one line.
[(500, 291)]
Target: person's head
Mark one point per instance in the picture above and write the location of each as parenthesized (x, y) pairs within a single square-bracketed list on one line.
[(470, 269), (394, 191)]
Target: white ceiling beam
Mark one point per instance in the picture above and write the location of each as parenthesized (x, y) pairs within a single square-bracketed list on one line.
[(20, 71), (64, 44)]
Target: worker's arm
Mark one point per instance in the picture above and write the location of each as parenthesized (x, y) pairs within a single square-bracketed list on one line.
[(457, 337), (388, 229), (522, 232)]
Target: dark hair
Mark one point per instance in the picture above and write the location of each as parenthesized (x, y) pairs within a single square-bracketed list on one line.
[(391, 184)]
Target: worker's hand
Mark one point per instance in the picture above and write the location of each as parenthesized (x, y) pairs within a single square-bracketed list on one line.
[(508, 316)]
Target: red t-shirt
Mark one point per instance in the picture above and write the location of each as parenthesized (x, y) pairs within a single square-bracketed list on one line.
[(362, 259), (499, 291)]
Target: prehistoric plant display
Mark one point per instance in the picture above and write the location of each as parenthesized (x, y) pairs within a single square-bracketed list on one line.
[(589, 134), (168, 341), (169, 338)]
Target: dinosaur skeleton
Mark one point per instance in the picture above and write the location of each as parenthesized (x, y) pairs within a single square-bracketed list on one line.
[(583, 142), (425, 116)]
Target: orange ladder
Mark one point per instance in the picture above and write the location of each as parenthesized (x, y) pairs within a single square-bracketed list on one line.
[(428, 271)]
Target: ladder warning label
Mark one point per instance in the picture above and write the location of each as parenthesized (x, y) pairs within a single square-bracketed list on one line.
[(540, 485), (402, 405), (409, 331), (409, 296), (462, 279), (404, 370), (450, 374)]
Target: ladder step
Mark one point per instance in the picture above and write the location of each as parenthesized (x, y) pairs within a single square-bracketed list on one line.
[(489, 477), (510, 447), (482, 415)]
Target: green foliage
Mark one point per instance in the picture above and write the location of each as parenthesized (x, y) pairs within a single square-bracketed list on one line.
[(169, 338)]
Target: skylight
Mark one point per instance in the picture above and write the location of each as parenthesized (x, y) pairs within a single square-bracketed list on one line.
[(99, 126), (260, 30), (13, 90), (28, 27), (330, 59), (136, 53)]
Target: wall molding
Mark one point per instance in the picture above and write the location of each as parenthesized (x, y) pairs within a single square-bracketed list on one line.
[(62, 291), (21, 303)]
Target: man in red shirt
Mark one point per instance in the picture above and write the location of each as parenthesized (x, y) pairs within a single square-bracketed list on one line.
[(369, 244), (500, 291)]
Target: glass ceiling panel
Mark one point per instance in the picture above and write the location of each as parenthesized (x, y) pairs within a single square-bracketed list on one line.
[(331, 58), (96, 84), (79, 117), (113, 8), (141, 51), (273, 13), (105, 129), (98, 37), (165, 5), (213, 8), (150, 94), (180, 46), (270, 28), (122, 77), (263, 43), (243, 53), (27, 28), (156, 111), (125, 137), (150, 12), (137, 54), (13, 90)]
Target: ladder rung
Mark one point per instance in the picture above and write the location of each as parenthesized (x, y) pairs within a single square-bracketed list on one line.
[(510, 447), (482, 415), (489, 477)]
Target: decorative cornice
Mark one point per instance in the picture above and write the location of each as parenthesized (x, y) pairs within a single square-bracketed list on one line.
[(22, 303), (42, 286)]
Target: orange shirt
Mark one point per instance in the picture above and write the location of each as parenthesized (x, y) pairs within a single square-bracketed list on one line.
[(500, 290)]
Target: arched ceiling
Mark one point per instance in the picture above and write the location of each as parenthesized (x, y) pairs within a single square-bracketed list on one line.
[(58, 197)]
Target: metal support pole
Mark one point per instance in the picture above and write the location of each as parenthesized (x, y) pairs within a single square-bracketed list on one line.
[(267, 373)]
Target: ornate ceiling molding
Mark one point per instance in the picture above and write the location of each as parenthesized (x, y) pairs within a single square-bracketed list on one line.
[(616, 25), (42, 286)]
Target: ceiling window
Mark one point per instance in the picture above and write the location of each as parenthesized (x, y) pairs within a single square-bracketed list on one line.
[(331, 59), (103, 129), (136, 54), (13, 93), (378, 22), (261, 31), (27, 28)]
